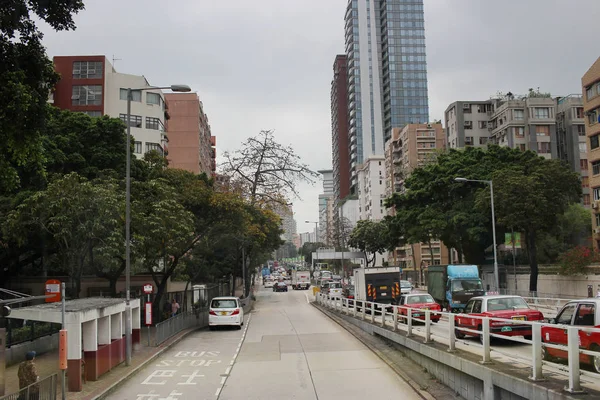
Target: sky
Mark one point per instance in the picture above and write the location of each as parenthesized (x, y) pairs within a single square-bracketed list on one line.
[(268, 64)]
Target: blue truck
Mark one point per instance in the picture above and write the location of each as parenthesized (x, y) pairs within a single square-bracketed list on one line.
[(453, 285)]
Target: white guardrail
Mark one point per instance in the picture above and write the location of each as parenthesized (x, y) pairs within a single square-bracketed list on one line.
[(535, 361)]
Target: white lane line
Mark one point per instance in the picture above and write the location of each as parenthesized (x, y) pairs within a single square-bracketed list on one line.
[(228, 370), (306, 295)]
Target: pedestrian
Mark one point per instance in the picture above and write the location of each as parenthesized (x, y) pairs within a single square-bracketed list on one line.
[(28, 375), (174, 307)]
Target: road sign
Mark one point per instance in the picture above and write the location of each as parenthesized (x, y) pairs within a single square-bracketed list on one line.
[(53, 289), (148, 313), (148, 288)]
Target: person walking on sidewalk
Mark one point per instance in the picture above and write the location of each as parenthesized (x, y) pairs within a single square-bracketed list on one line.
[(28, 375), (174, 307)]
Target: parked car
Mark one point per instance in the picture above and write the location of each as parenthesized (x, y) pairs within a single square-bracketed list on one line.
[(581, 313), (225, 311), (280, 287), (514, 308), (419, 302)]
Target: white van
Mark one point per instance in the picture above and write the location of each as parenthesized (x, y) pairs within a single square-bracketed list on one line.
[(269, 282)]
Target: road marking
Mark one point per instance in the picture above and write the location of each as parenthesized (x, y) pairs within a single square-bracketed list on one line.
[(228, 370), (306, 295), (159, 373)]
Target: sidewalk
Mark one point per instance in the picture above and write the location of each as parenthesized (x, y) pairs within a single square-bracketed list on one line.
[(47, 364)]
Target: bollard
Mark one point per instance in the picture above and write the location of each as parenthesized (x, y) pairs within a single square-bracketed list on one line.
[(536, 347), (485, 335), (409, 322), (395, 318), (427, 327), (573, 346), (451, 333)]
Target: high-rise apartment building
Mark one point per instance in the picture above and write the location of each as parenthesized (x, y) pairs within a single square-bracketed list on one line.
[(90, 84), (339, 128), (411, 147), (590, 83), (191, 145), (326, 207), (552, 127), (371, 188), (387, 74), (288, 223)]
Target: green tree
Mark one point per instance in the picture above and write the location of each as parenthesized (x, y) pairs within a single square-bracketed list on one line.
[(531, 197), (370, 237), (26, 78)]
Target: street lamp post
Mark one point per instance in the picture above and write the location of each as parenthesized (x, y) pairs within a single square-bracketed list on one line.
[(496, 274), (316, 229), (174, 88)]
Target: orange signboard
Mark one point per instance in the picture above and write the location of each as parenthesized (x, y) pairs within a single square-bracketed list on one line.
[(53, 288)]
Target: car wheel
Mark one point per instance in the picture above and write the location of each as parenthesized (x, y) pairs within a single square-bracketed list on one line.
[(545, 355), (238, 327), (459, 334)]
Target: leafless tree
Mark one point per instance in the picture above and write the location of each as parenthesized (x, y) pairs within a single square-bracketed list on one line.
[(340, 232), (268, 171)]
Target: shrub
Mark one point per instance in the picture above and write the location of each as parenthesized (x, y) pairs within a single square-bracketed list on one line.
[(575, 260)]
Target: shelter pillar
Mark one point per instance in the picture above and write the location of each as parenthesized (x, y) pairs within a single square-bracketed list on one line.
[(117, 344), (74, 356), (90, 349), (136, 323)]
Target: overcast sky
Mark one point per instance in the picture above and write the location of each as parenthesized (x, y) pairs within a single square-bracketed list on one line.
[(267, 64)]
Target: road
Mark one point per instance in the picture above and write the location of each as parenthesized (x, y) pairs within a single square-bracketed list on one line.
[(287, 350)]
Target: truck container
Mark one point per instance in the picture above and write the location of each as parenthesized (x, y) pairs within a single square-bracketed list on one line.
[(377, 284), (453, 285), (300, 279)]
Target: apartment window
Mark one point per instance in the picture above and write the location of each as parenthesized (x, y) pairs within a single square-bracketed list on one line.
[(135, 121), (585, 181), (483, 140), (519, 114), (578, 112), (595, 167), (582, 147), (86, 95), (138, 148), (519, 131), (522, 147), (541, 112), (136, 95), (87, 69), (594, 142), (580, 130), (468, 125), (93, 113), (153, 146), (596, 192), (586, 201), (542, 130), (583, 164), (589, 92), (466, 108), (592, 117), (153, 98), (543, 147), (468, 140), (482, 124), (154, 123)]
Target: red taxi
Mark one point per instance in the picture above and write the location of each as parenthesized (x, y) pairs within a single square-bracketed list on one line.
[(583, 313), (514, 308), (419, 302)]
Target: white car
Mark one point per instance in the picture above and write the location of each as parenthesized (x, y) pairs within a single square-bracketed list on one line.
[(269, 283), (225, 311), (334, 289)]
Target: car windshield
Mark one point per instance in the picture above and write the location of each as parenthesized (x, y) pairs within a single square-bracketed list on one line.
[(226, 303), (506, 303), (466, 284), (423, 298), (405, 284), (335, 285)]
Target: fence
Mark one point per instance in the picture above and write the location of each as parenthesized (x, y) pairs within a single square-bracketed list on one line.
[(17, 332), (44, 389), (172, 326), (401, 318)]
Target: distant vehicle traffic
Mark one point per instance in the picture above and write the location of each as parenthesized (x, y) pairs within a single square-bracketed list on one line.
[(454, 285), (280, 287)]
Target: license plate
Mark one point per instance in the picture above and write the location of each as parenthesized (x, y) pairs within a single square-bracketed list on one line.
[(425, 308), (519, 318), (384, 294), (416, 315), (382, 287), (506, 329), (223, 312)]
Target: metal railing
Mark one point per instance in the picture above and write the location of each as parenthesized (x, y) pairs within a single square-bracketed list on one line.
[(402, 319), (44, 389), (172, 326), (29, 332)]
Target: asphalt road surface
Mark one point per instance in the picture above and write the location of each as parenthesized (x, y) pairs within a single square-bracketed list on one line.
[(287, 350)]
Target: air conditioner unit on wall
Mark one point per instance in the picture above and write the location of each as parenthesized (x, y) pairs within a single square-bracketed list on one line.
[(594, 205), (597, 230)]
